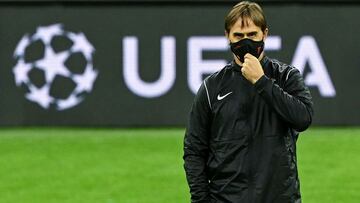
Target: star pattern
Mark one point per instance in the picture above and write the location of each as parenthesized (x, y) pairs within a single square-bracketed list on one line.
[(53, 64), (20, 48), (85, 81), (21, 71), (71, 101), (40, 96), (46, 33), (81, 44)]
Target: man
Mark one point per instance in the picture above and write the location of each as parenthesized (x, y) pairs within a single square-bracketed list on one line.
[(240, 143)]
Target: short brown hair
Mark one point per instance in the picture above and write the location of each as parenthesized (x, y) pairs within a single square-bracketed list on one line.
[(246, 10)]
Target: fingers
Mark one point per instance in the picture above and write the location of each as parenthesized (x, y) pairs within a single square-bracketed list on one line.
[(243, 72), (244, 68), (246, 65), (251, 67), (248, 56)]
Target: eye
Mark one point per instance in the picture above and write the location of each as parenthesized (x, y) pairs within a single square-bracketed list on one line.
[(238, 35), (252, 34)]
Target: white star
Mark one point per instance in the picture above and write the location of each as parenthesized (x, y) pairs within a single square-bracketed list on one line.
[(47, 32), (71, 101), (53, 64), (85, 81), (21, 46), (21, 71), (40, 96), (81, 44)]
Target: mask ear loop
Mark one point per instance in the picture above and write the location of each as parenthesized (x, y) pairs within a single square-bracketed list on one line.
[(263, 45), (238, 58)]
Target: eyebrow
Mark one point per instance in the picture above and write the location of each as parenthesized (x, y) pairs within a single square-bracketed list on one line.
[(242, 34)]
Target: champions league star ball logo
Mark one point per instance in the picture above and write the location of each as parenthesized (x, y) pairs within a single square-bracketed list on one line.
[(53, 67)]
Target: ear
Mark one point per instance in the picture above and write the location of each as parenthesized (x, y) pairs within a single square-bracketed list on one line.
[(266, 32), (227, 35)]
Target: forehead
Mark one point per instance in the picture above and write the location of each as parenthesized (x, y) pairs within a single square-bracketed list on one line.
[(244, 25)]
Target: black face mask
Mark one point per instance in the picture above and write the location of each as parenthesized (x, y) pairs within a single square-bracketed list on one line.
[(245, 46)]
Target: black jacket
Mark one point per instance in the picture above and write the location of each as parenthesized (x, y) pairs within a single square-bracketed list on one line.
[(240, 143)]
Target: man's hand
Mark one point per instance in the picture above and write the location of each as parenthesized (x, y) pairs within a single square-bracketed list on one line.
[(251, 68)]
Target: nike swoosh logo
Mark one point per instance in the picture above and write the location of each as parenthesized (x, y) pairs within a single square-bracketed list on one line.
[(222, 97)]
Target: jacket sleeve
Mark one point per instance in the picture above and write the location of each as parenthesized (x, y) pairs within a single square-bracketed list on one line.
[(196, 146), (293, 102)]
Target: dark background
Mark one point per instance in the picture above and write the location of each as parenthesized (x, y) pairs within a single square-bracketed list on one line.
[(334, 25)]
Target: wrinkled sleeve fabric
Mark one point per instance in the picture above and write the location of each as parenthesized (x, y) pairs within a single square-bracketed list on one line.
[(292, 101), (196, 146)]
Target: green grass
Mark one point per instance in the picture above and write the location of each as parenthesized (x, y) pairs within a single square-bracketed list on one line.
[(329, 165), (145, 166)]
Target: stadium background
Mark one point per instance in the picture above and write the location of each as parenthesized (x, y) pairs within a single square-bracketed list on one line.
[(319, 38), (99, 150)]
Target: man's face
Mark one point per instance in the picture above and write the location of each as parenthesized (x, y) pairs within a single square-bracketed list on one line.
[(248, 30)]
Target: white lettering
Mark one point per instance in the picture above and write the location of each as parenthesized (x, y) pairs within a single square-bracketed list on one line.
[(307, 51), (131, 68), (273, 43), (197, 67)]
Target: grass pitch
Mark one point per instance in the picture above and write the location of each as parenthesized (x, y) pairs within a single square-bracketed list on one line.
[(145, 166)]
